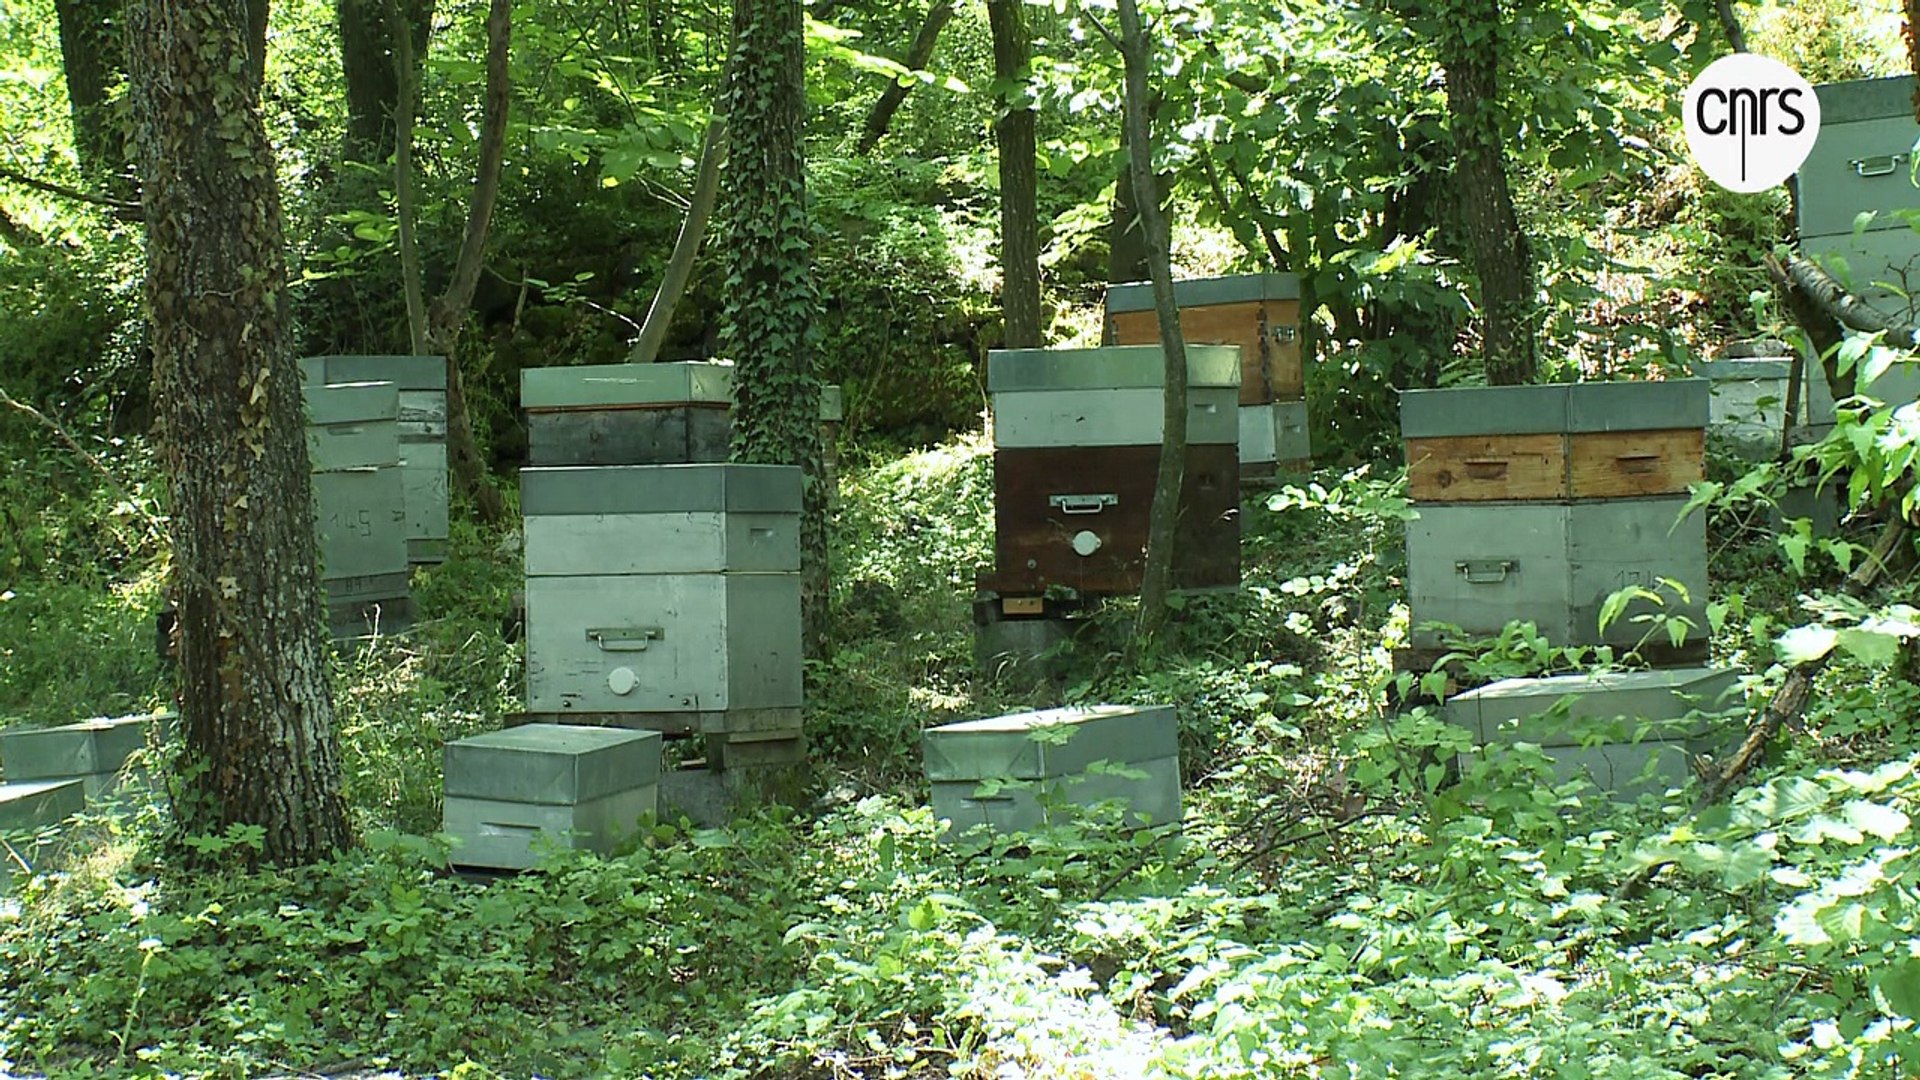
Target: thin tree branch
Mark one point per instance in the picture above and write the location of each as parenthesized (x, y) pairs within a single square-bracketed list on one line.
[(48, 187), (1730, 24)]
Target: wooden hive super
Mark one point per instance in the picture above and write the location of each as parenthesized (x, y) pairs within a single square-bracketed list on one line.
[(1260, 313), (1536, 503), (422, 427), (667, 597), (353, 444), (1077, 436)]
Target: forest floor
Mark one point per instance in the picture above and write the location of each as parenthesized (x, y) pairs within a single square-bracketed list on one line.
[(1335, 904)]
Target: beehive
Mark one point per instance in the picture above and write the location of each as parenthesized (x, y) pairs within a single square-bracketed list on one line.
[(353, 444), (1260, 313), (28, 809), (665, 596), (509, 791), (1077, 436), (1537, 502), (1627, 732), (422, 427), (1026, 770), (93, 752)]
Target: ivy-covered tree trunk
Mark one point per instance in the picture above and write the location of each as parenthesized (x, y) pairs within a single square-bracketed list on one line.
[(1502, 260), (1013, 132), (93, 57), (767, 326), (258, 718)]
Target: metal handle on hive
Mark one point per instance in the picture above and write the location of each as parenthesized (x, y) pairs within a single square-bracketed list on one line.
[(1485, 571), (1878, 165), (1082, 504), (624, 638)]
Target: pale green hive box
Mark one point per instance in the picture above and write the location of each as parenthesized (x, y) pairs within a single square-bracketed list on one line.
[(1109, 396), (91, 751), (510, 791), (1608, 727), (1555, 408), (27, 808), (422, 427), (1050, 758)]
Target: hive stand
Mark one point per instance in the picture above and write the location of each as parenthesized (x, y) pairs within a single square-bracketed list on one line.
[(1028, 770)]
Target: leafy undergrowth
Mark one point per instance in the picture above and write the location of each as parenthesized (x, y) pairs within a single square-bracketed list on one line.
[(1336, 904)]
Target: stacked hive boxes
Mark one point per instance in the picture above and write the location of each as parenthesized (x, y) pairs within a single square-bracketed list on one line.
[(353, 443), (627, 414), (1258, 312), (1537, 502), (92, 751), (422, 427), (1076, 435), (1626, 732), (509, 792), (668, 597), (1031, 769)]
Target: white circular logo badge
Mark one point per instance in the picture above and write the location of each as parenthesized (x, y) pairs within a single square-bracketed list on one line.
[(1750, 121)]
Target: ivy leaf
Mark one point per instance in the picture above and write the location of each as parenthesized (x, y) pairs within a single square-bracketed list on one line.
[(1805, 644)]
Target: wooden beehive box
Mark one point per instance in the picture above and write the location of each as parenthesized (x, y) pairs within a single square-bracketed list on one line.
[(508, 792), (665, 596), (1626, 731), (1027, 770), (1077, 437), (1537, 502), (353, 445), (422, 427), (1260, 313), (627, 414)]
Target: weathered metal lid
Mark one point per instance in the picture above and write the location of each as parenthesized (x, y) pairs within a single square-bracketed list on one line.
[(1631, 695), (1050, 742), (1738, 368), (1205, 292), (597, 386), (1111, 367), (1555, 407), (406, 372), (34, 804), (1865, 99), (1639, 406), (90, 746), (351, 403), (553, 764), (1483, 410), (660, 489)]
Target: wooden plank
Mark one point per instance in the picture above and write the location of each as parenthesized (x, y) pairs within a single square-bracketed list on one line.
[(1108, 494), (1478, 468), (1269, 369), (1625, 464)]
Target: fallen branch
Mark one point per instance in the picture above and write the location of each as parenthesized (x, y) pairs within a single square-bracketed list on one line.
[(1787, 703), (1833, 298), (126, 211)]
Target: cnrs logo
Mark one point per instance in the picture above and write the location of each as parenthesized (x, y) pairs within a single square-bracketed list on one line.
[(1750, 121)]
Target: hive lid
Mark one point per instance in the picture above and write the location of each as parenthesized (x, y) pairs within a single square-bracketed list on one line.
[(1513, 708), (1639, 406), (406, 372), (350, 403), (660, 489), (1555, 407), (1111, 367), (101, 744), (552, 764), (1735, 369), (35, 804), (1865, 99), (1049, 742), (1205, 292), (604, 385)]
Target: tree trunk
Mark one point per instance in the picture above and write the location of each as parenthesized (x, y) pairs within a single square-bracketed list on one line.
[(1013, 131), (406, 82), (255, 706), (918, 56), (1157, 579), (1501, 257), (371, 52), (673, 284), (93, 55), (1910, 30), (766, 327)]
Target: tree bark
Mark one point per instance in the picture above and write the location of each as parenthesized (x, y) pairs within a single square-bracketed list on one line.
[(693, 231), (406, 84), (918, 56), (767, 324), (372, 45), (93, 56), (255, 705), (1910, 31), (1013, 132), (1157, 579), (1502, 258)]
